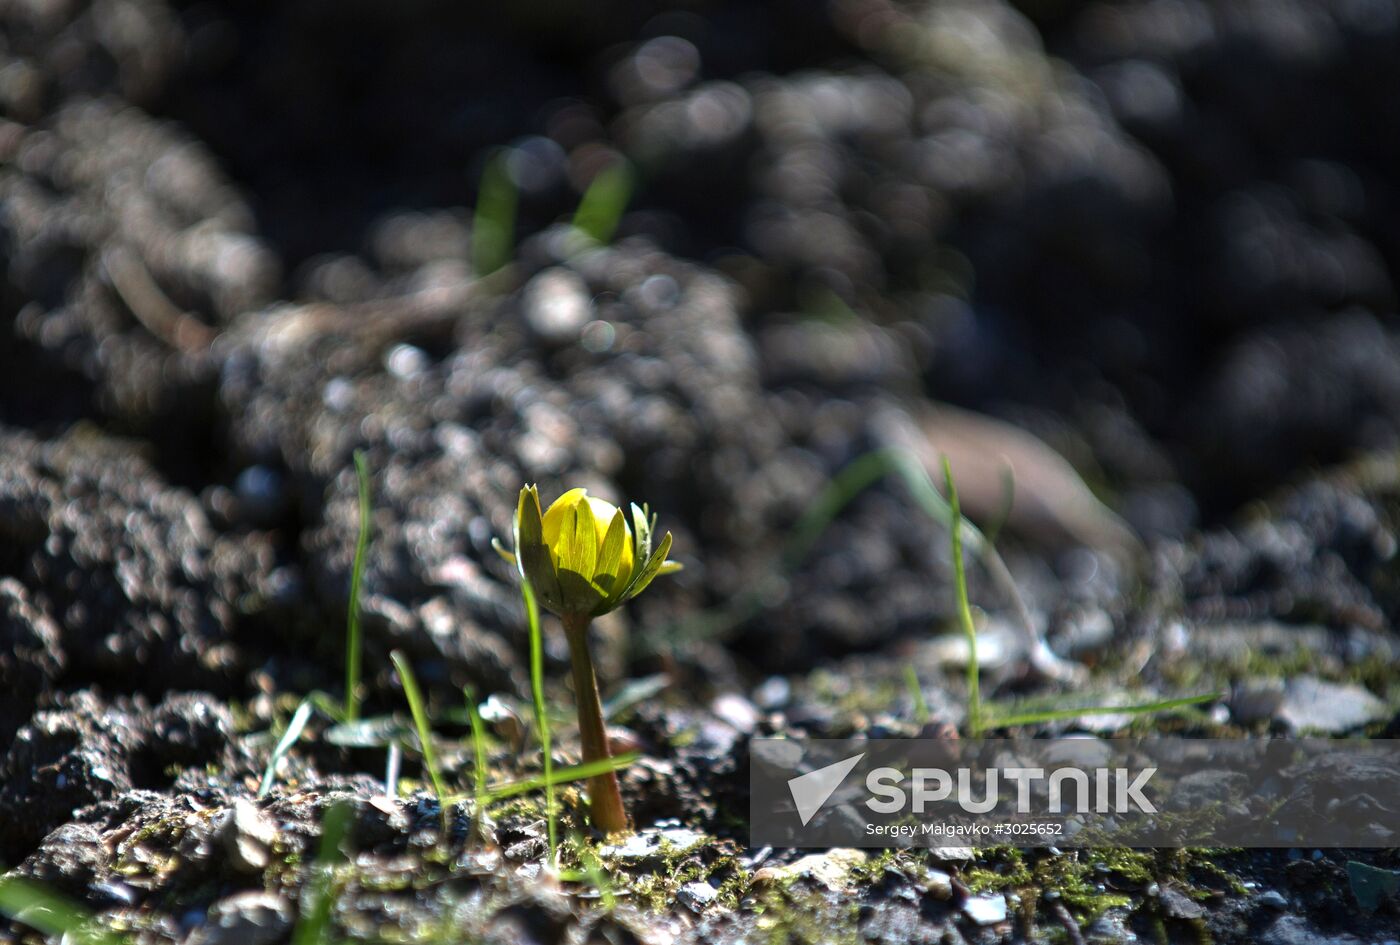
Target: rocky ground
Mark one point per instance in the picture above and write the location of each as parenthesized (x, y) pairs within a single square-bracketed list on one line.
[(1159, 236)]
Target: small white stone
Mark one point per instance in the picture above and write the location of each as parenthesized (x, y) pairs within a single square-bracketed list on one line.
[(557, 305), (697, 896), (938, 884), (986, 909)]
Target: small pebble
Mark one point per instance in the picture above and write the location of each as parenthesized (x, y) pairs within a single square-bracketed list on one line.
[(557, 305), (697, 896), (987, 909)]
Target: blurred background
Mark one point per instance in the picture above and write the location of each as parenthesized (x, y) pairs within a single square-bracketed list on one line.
[(244, 239)]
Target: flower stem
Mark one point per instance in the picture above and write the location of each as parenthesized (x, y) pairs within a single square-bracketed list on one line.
[(605, 798)]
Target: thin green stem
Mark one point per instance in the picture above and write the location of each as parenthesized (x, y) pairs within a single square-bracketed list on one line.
[(357, 575), (916, 693), (1035, 717), (532, 616), (974, 694), (313, 926), (479, 773), (493, 224), (419, 709)]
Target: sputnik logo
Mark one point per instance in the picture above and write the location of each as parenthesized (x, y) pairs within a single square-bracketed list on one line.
[(811, 790)]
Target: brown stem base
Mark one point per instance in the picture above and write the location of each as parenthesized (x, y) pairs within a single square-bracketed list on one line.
[(605, 799)]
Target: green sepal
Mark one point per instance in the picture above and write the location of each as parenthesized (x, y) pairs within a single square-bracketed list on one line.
[(641, 535), (500, 549), (532, 557), (652, 568)]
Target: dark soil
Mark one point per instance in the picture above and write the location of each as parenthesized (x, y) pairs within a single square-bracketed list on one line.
[(1161, 237)]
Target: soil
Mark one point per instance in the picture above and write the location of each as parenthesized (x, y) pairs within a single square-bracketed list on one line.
[(237, 240)]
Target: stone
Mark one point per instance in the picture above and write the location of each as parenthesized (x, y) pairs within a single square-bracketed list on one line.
[(737, 711), (697, 896), (247, 918), (557, 305), (646, 844), (247, 836), (986, 909), (831, 869), (1311, 704), (1179, 906), (938, 884)]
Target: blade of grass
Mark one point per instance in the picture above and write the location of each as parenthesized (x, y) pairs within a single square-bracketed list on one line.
[(916, 692), (479, 770), (567, 775), (603, 203), (1008, 500), (1054, 715), (532, 617), (378, 732), (478, 741), (326, 704), (974, 694), (854, 478), (295, 727), (634, 692), (313, 925), (357, 575), (493, 224), (52, 915), (858, 475), (392, 763), (425, 733)]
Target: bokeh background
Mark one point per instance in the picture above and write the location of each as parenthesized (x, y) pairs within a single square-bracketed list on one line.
[(1158, 237)]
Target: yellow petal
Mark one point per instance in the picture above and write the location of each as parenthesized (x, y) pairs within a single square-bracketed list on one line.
[(558, 514)]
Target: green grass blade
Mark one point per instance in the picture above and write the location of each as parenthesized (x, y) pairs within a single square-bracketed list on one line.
[(916, 692), (1054, 715), (50, 914), (326, 704), (863, 472), (314, 923), (392, 763), (633, 693), (603, 204), (416, 705), (974, 694), (357, 576), (295, 727), (493, 224), (854, 478), (532, 617), (579, 772), (1008, 501), (479, 772)]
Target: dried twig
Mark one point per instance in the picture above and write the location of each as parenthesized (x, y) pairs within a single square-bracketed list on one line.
[(149, 304)]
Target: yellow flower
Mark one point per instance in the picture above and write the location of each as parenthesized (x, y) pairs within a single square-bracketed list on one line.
[(582, 556), (560, 529)]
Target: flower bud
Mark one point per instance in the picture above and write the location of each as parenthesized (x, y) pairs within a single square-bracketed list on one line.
[(582, 556)]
